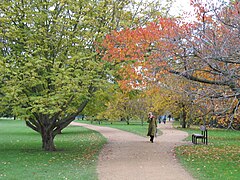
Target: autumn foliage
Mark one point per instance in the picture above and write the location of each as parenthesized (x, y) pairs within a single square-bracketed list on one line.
[(204, 49)]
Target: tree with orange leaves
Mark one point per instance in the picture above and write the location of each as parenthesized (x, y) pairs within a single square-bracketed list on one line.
[(205, 50)]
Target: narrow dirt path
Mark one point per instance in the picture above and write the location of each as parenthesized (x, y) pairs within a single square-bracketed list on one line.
[(127, 156)]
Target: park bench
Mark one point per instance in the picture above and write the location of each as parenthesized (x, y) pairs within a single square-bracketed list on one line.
[(203, 136)]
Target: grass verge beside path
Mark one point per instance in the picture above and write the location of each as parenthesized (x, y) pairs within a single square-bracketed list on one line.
[(133, 127), (219, 160), (21, 156)]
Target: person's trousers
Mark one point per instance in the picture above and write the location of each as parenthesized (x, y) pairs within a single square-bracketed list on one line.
[(151, 138)]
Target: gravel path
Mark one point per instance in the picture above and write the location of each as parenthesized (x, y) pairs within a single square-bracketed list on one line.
[(127, 156)]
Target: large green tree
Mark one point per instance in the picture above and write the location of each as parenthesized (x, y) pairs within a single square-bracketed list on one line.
[(49, 67)]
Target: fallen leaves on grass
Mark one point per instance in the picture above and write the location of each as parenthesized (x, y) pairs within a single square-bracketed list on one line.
[(210, 153)]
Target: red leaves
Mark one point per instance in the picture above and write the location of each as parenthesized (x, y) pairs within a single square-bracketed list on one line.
[(137, 44), (146, 52), (140, 50)]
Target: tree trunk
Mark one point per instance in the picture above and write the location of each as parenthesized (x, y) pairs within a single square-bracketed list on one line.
[(142, 121), (50, 127), (184, 116), (47, 140)]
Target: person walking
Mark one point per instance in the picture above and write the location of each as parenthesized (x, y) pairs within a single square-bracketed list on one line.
[(159, 119), (169, 117), (152, 126), (164, 119)]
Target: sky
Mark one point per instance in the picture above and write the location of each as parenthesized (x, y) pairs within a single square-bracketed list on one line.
[(184, 5), (179, 6)]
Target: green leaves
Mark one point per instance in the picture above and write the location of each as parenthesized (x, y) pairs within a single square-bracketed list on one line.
[(49, 62)]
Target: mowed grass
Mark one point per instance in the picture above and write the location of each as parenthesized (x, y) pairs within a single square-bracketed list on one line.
[(134, 127), (219, 160), (21, 156)]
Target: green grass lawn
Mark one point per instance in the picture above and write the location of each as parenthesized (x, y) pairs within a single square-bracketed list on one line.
[(134, 127), (219, 160), (21, 156)]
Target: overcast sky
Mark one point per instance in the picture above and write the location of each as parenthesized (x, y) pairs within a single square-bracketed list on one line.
[(180, 6)]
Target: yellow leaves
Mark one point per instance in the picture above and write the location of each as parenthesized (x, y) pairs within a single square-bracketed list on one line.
[(116, 108)]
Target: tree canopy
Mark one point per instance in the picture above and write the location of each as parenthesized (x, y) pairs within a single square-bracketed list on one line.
[(49, 65), (204, 50)]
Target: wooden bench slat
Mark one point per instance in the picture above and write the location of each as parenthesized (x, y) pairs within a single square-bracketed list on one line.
[(200, 135)]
